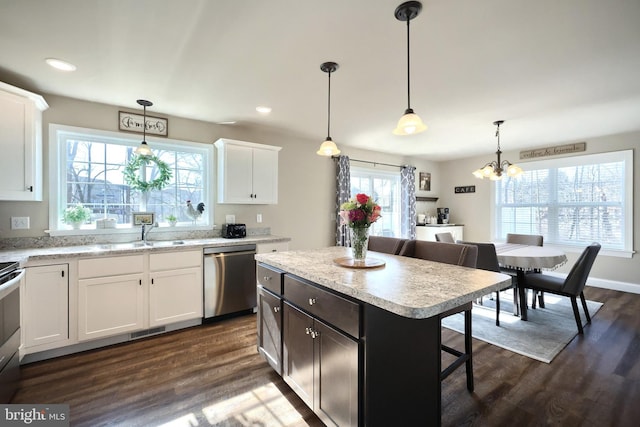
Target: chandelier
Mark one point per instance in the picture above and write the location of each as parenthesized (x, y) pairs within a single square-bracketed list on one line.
[(493, 170)]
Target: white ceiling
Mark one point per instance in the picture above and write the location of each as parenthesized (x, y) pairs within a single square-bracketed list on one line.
[(554, 70)]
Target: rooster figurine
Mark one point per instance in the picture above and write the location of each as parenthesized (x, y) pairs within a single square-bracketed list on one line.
[(195, 213)]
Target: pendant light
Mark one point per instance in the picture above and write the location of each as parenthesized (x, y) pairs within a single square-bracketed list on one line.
[(493, 170), (143, 149), (410, 123), (328, 147)]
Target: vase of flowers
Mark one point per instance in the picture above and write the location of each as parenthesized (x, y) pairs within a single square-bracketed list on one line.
[(358, 214)]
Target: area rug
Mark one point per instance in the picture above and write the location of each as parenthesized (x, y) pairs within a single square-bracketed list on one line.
[(542, 337)]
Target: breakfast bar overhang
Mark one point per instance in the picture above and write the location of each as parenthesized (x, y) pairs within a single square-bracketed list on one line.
[(398, 328)]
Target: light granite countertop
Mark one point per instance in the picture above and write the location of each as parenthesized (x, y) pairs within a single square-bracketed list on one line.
[(23, 256), (409, 287)]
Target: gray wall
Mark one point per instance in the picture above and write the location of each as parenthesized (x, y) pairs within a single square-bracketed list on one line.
[(478, 219), (305, 211)]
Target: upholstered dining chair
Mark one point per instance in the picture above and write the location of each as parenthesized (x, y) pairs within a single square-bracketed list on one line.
[(445, 237), (572, 286), (525, 239), (457, 254), (387, 245), (531, 240), (488, 260)]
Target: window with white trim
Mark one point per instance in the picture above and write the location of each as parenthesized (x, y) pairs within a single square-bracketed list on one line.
[(571, 201), (384, 187), (86, 166)]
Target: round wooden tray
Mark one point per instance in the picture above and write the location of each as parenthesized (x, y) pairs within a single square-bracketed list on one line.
[(368, 262)]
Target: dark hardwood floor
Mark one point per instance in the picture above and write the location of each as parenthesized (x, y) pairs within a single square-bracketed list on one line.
[(212, 375)]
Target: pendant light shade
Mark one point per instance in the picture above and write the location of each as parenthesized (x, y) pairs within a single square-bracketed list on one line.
[(143, 149), (410, 123), (494, 170), (328, 147)]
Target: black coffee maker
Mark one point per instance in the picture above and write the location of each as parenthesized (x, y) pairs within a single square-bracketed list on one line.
[(443, 215)]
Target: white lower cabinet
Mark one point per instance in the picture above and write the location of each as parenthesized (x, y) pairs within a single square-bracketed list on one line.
[(130, 293), (175, 292), (263, 248), (427, 232), (110, 305), (45, 305), (111, 294)]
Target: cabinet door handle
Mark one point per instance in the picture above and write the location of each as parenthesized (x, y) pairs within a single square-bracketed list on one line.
[(276, 309), (312, 301), (140, 282), (307, 330), (152, 281), (315, 334), (266, 278), (30, 188)]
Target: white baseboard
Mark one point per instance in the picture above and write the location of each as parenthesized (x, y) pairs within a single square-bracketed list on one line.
[(614, 285)]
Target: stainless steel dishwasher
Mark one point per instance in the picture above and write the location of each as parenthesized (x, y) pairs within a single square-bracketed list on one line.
[(229, 280)]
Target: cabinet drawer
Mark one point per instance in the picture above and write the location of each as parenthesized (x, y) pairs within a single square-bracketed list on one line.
[(327, 306), (175, 260), (110, 266), (269, 278)]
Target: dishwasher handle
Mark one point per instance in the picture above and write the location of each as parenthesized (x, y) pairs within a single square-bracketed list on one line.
[(227, 249), (234, 253)]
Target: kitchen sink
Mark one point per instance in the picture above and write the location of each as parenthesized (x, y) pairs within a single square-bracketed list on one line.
[(137, 244)]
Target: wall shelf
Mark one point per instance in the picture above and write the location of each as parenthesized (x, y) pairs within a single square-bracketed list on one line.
[(426, 199)]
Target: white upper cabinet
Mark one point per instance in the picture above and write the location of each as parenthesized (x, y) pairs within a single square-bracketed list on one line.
[(21, 143), (247, 172)]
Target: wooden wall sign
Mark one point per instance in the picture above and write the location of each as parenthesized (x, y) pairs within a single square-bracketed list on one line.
[(132, 122), (554, 151), (465, 189)]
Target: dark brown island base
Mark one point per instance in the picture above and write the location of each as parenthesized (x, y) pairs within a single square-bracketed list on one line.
[(361, 346)]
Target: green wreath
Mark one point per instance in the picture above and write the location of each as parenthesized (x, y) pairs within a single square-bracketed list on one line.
[(132, 175)]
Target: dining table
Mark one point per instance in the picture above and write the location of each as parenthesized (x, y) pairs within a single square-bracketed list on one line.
[(525, 259)]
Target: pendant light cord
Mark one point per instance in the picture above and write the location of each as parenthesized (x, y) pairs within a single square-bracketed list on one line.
[(329, 108), (144, 124), (408, 70), (498, 135)]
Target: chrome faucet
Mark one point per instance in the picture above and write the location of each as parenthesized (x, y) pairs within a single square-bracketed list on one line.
[(145, 231)]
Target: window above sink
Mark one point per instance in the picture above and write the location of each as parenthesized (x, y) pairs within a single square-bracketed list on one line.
[(86, 166)]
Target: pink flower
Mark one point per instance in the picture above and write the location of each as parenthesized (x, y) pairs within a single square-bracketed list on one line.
[(362, 198), (344, 217), (356, 215)]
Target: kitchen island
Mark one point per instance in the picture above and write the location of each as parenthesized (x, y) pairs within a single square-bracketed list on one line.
[(361, 346)]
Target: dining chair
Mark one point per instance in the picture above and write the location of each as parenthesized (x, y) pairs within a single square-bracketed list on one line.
[(456, 254), (445, 237), (488, 260), (531, 240), (387, 245), (572, 286)]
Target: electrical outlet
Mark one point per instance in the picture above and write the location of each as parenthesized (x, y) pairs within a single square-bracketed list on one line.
[(259, 218), (19, 222), (231, 219)]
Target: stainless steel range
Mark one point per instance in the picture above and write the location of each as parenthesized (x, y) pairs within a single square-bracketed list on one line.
[(10, 277)]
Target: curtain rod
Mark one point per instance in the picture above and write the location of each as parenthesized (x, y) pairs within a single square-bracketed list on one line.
[(374, 163)]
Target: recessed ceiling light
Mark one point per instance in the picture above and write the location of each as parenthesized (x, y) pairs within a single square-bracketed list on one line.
[(61, 65), (263, 110), (230, 122)]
